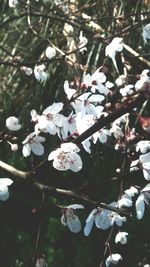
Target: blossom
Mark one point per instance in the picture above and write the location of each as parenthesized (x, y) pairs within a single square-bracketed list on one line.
[(66, 157), (121, 238), (69, 91), (33, 143), (49, 120), (13, 3), (39, 73), (82, 42), (143, 146), (12, 123), (50, 52), (4, 183), (95, 81), (112, 48), (113, 259), (68, 127), (121, 80), (70, 219), (145, 160), (124, 202), (131, 192), (103, 219), (127, 90), (141, 200), (143, 78), (84, 103), (28, 71), (101, 135), (146, 33)]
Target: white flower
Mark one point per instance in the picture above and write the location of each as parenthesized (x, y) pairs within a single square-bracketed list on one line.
[(33, 143), (66, 157), (95, 216), (68, 127), (131, 192), (124, 202), (84, 103), (95, 81), (12, 123), (121, 80), (82, 42), (13, 3), (127, 90), (121, 238), (145, 160), (101, 135), (50, 52), (4, 183), (112, 48), (113, 259), (28, 71), (70, 219), (69, 91), (14, 147), (146, 33), (40, 74), (143, 78), (143, 146), (141, 200), (103, 219), (49, 120), (134, 165)]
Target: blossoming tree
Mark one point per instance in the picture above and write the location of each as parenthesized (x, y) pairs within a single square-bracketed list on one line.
[(75, 133)]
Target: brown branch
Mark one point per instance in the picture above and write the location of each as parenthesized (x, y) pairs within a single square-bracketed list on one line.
[(60, 191), (102, 122)]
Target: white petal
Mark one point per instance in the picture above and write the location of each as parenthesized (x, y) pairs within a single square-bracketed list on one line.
[(146, 174), (75, 206), (146, 188), (69, 92), (4, 197), (74, 224), (5, 181), (26, 150), (61, 165), (89, 225), (63, 220), (37, 149), (140, 207), (121, 238), (145, 157), (125, 202), (96, 98), (75, 162)]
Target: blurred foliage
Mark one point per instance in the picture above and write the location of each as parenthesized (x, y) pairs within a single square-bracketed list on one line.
[(22, 214)]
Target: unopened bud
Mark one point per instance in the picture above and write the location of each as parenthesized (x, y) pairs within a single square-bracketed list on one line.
[(14, 147)]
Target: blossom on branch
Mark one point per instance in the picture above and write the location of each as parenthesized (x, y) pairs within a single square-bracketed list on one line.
[(143, 198), (50, 52), (82, 42), (114, 47), (12, 123), (70, 219), (113, 259), (33, 143), (103, 219), (4, 183), (121, 238), (49, 120), (66, 157), (13, 3), (40, 74)]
